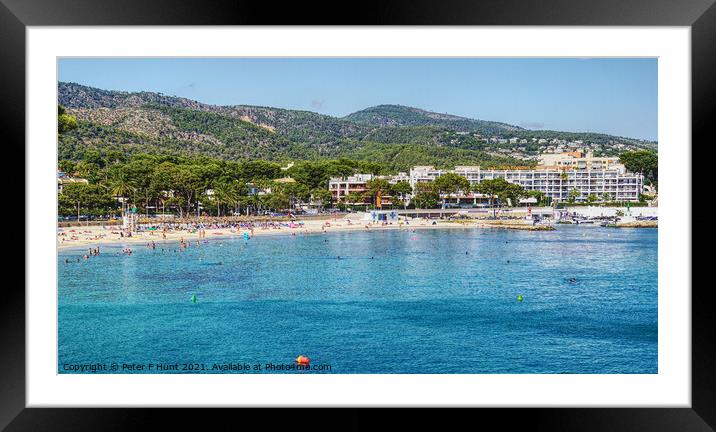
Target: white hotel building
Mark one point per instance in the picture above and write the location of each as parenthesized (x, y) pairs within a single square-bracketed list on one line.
[(555, 183), (567, 171), (343, 187)]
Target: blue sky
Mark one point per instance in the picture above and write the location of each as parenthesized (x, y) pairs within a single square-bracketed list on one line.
[(616, 96)]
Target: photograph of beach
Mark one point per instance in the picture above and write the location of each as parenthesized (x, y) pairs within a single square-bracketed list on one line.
[(357, 216)]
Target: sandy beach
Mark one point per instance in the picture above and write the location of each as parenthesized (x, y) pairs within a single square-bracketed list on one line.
[(77, 236)]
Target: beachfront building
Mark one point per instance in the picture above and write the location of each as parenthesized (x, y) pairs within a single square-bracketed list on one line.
[(352, 186), (424, 174), (558, 183), (352, 190), (555, 183), (465, 199), (559, 176), (580, 161), (400, 177), (63, 179)]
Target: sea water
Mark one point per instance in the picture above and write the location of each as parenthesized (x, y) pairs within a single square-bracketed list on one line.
[(392, 301)]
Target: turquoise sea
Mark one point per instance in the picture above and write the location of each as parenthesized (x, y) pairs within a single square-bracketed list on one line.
[(430, 301)]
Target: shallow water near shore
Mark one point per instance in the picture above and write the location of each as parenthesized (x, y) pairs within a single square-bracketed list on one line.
[(432, 301)]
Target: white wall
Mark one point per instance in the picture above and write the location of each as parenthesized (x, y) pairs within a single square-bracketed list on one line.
[(611, 211)]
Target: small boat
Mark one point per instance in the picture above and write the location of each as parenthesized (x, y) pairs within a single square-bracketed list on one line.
[(584, 221)]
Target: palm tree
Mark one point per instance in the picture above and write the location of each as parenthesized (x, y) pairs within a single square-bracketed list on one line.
[(353, 199), (573, 195), (222, 194), (254, 201), (563, 184), (234, 193), (121, 188), (377, 187)]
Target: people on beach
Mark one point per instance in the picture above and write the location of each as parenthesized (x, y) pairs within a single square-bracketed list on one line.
[(192, 232)]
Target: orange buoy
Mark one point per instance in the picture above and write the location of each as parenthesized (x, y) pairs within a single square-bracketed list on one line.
[(303, 360)]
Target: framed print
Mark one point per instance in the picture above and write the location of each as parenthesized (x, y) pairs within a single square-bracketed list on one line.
[(441, 206)]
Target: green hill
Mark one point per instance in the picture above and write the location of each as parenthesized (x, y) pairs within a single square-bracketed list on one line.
[(399, 115), (146, 122)]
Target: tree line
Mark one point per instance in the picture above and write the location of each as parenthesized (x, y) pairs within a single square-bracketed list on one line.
[(186, 185)]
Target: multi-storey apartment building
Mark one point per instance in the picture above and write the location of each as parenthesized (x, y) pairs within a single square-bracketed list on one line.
[(556, 176), (579, 161), (351, 189), (555, 183), (342, 187)]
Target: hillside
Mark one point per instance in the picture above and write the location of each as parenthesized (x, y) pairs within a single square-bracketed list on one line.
[(394, 135), (398, 115)]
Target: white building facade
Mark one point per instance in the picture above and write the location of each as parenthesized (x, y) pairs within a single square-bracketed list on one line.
[(581, 161), (342, 187), (553, 182)]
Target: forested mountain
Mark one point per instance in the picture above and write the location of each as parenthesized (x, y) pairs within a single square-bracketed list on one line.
[(393, 135), (398, 115)]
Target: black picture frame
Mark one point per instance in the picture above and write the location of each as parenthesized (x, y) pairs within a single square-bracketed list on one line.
[(699, 15)]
